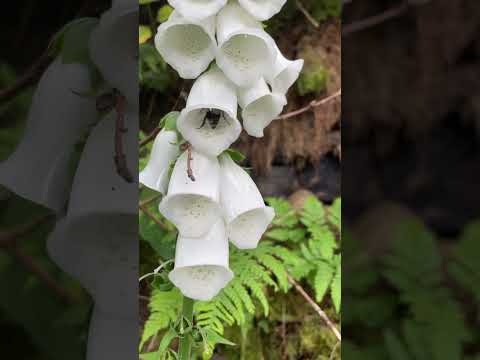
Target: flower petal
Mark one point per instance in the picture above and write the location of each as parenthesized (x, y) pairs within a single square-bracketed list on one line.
[(164, 150), (260, 107), (246, 215), (197, 9), (187, 45), (264, 9), (285, 73), (212, 90), (114, 48), (192, 206), (201, 264), (38, 170), (245, 52)]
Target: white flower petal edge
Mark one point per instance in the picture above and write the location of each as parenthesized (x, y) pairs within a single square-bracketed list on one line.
[(245, 52), (260, 107), (212, 90), (112, 336), (193, 206), (246, 215), (189, 46), (197, 10), (114, 47), (164, 151), (285, 73), (38, 170), (201, 264), (262, 10)]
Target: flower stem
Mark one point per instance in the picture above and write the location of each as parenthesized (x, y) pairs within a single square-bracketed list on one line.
[(185, 346)]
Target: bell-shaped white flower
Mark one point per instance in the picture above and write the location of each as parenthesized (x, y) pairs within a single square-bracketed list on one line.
[(39, 168), (262, 9), (201, 264), (164, 151), (260, 107), (246, 215), (187, 45), (211, 92), (245, 51), (114, 48), (285, 73), (193, 206), (197, 9), (97, 240)]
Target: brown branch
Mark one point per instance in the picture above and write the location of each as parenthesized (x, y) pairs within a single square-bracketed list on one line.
[(188, 147), (311, 106), (42, 275), (29, 77), (308, 16), (316, 307), (150, 137), (150, 200), (153, 217), (375, 20), (120, 158)]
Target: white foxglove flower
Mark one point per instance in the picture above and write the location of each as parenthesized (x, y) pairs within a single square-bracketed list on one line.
[(260, 107), (201, 264), (285, 73), (246, 215), (114, 47), (245, 51), (98, 236), (39, 168), (262, 9), (211, 91), (197, 9), (164, 151), (187, 45), (193, 206)]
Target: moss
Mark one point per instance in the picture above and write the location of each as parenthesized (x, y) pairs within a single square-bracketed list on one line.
[(324, 9), (313, 81)]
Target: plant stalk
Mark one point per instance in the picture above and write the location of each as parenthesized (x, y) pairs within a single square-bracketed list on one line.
[(185, 346)]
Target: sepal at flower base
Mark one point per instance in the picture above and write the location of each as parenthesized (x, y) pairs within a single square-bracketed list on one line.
[(187, 45), (39, 168), (211, 91), (193, 206), (246, 214), (245, 51), (260, 107), (201, 264)]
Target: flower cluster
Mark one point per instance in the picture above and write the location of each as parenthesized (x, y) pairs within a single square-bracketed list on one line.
[(207, 196)]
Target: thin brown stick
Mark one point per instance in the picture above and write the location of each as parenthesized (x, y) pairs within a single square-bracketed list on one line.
[(375, 20), (153, 217), (120, 158), (42, 275), (308, 16), (150, 137), (332, 354), (310, 106), (29, 78), (316, 307), (150, 200), (188, 147), (8, 238)]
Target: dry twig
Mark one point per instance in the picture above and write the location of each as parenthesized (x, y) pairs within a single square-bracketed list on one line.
[(120, 158), (153, 217), (316, 307), (188, 147), (311, 106), (375, 20), (308, 16)]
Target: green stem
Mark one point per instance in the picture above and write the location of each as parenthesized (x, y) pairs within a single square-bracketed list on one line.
[(185, 346)]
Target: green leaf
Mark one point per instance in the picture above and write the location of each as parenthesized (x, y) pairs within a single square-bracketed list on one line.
[(279, 234), (323, 278), (164, 13), (395, 347), (236, 155), (169, 121), (146, 2), (144, 34), (336, 288), (166, 340), (214, 337), (75, 41)]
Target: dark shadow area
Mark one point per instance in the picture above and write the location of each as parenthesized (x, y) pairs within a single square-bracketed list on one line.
[(411, 169)]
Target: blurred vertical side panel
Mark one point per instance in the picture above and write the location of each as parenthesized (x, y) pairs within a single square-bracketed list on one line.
[(411, 170), (68, 180)]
